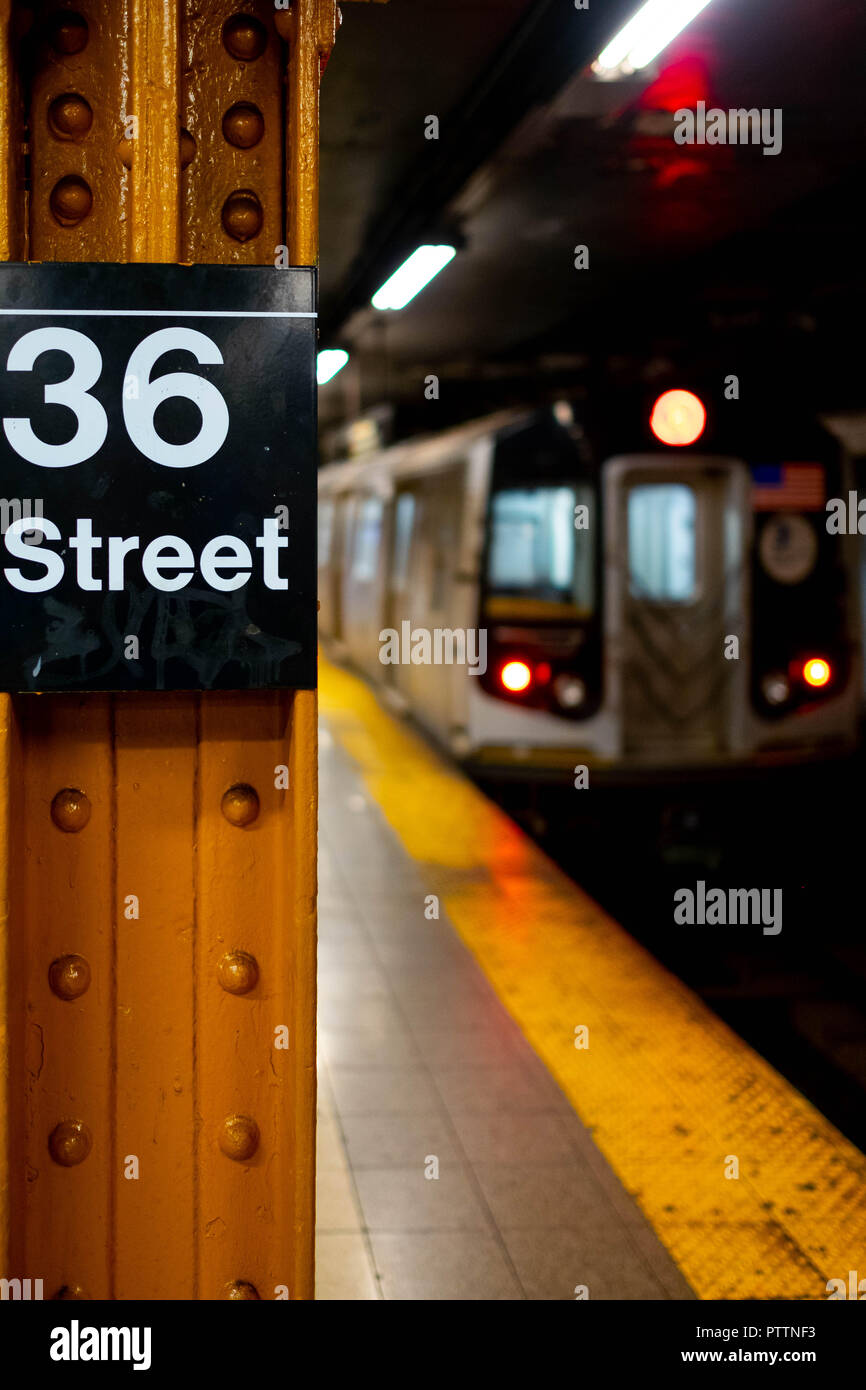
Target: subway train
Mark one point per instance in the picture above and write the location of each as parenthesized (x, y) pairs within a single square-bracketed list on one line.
[(641, 584)]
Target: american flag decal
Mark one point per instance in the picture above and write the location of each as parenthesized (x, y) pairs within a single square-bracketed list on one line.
[(788, 487)]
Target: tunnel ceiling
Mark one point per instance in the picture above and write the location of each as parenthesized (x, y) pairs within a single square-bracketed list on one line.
[(537, 155)]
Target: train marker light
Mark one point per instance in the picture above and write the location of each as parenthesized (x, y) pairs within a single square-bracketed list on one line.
[(516, 676), (776, 688), (817, 672), (678, 417), (655, 25), (421, 267), (570, 691), (328, 363)]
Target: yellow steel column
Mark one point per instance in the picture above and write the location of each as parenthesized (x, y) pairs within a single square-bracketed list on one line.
[(158, 873)]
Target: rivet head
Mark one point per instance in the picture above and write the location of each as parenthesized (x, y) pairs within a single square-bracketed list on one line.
[(238, 972), (72, 1293), (69, 976), (239, 1137), (240, 804), (70, 116), (244, 37), (71, 200), (284, 23), (69, 1143), (239, 1288), (70, 810), (243, 125), (188, 148), (68, 32), (242, 215)]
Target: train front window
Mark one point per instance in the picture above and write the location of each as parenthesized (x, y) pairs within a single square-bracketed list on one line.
[(662, 562), (541, 559)]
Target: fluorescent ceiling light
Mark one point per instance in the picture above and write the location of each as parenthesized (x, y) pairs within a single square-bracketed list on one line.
[(652, 29), (412, 276), (329, 362)]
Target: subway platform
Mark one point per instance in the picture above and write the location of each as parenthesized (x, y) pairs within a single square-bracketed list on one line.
[(468, 1149)]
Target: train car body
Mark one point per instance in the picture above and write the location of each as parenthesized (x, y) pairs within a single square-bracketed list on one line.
[(545, 590)]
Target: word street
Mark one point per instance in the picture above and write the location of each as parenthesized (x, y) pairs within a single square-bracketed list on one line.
[(167, 563)]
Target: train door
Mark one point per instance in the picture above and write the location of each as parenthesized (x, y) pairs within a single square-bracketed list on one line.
[(430, 593), (397, 606), (363, 582), (676, 610), (325, 561)]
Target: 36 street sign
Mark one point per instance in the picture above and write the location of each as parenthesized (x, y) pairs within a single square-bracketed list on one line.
[(157, 477)]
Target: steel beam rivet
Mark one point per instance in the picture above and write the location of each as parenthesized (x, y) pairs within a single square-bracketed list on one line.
[(238, 972), (69, 976), (71, 200), (70, 116), (241, 1289), (244, 37), (69, 1143), (242, 215), (68, 32), (239, 1137), (70, 810), (188, 149), (243, 125), (72, 1293), (240, 804)]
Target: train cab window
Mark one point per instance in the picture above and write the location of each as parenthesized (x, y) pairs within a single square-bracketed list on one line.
[(536, 556), (404, 517), (661, 542), (367, 537), (325, 530)]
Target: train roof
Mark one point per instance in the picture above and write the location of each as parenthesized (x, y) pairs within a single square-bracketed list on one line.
[(422, 454)]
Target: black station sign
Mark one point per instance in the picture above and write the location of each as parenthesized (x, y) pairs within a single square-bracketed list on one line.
[(157, 477)]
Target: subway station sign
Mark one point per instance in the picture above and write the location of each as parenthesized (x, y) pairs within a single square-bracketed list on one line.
[(157, 477)]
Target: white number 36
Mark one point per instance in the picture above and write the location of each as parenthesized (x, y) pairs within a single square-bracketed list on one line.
[(138, 411)]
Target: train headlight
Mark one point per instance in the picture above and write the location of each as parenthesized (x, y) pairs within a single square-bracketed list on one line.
[(776, 688), (516, 676), (817, 672), (678, 418), (570, 691)]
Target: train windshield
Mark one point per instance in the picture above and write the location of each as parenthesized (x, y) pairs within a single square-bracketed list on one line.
[(541, 560)]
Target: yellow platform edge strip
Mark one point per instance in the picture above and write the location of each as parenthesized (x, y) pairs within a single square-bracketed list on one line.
[(670, 1094)]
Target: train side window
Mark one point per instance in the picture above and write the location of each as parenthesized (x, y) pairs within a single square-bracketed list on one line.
[(661, 542), (536, 555), (368, 534), (404, 518), (325, 530)]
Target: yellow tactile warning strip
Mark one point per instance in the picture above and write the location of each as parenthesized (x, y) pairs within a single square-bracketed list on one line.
[(669, 1092)]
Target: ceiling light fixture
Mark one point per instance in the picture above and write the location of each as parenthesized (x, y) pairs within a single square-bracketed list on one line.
[(413, 275), (654, 26)]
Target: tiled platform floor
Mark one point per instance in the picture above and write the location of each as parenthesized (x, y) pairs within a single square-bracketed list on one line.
[(423, 1071)]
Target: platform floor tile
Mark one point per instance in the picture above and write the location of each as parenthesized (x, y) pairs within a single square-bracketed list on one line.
[(451, 1164)]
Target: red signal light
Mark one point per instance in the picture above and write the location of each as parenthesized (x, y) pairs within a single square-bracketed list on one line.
[(516, 676), (817, 672), (678, 417)]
